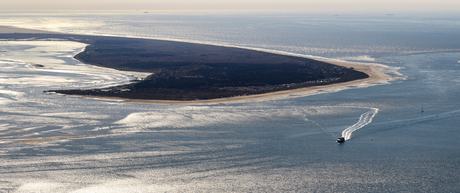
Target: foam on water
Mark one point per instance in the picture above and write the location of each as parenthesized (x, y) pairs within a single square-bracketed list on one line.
[(364, 120), (63, 71), (273, 146), (178, 119)]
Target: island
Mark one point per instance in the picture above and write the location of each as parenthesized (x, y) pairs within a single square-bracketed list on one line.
[(182, 71)]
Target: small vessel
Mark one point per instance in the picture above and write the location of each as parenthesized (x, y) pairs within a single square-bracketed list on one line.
[(422, 110), (340, 140)]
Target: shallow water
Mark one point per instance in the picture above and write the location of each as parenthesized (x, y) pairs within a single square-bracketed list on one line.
[(54, 143)]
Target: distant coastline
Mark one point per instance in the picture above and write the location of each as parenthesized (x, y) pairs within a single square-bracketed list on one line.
[(13, 30), (373, 75)]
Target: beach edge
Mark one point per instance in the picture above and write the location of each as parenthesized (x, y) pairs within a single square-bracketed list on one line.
[(376, 77)]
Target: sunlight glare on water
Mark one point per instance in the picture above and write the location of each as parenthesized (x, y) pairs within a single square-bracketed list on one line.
[(54, 143)]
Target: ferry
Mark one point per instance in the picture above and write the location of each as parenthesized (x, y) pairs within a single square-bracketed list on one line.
[(340, 140)]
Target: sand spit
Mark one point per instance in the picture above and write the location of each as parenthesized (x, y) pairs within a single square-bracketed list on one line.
[(375, 72), (376, 76)]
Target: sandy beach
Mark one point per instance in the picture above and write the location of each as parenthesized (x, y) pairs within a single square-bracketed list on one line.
[(376, 76)]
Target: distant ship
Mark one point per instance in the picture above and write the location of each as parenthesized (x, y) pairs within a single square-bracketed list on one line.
[(340, 140)]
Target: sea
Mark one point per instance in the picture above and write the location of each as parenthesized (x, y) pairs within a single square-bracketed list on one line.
[(401, 134)]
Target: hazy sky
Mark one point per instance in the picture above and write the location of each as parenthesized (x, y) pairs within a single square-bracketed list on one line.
[(236, 5)]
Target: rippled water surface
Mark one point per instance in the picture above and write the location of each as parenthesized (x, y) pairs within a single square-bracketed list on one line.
[(54, 143)]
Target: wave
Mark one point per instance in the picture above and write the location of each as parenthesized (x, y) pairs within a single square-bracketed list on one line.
[(364, 120)]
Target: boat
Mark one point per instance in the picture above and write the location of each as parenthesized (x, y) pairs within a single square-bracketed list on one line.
[(340, 140)]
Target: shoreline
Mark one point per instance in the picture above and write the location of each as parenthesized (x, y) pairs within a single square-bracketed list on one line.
[(376, 76)]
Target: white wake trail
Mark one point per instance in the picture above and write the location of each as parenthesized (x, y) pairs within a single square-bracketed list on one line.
[(365, 119)]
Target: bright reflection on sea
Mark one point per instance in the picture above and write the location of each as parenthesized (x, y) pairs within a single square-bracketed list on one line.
[(54, 143)]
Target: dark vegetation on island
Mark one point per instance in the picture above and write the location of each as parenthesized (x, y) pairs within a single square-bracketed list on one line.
[(189, 71)]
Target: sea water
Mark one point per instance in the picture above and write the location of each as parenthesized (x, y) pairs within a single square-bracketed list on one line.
[(54, 143)]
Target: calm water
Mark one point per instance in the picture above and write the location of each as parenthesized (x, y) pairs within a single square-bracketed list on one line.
[(55, 143)]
